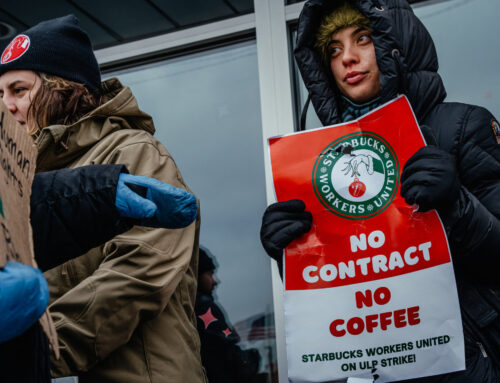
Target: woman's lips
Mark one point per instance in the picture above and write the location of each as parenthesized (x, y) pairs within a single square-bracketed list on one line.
[(354, 77)]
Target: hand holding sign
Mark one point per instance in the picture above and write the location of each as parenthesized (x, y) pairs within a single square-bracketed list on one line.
[(430, 180), (430, 177), (21, 284), (371, 284), (281, 224)]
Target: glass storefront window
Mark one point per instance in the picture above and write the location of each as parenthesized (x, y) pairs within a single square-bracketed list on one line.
[(206, 110), (465, 36)]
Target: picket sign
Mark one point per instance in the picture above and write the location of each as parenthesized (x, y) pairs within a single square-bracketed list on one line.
[(370, 291), (18, 154)]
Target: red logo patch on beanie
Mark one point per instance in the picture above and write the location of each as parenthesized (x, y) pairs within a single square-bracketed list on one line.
[(15, 49)]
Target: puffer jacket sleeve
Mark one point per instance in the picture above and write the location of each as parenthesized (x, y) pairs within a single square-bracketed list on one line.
[(73, 210), (135, 275), (474, 226)]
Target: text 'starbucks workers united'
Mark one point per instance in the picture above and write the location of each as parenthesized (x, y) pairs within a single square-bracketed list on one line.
[(356, 176)]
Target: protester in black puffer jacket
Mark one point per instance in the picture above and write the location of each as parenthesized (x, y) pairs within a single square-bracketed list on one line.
[(460, 177)]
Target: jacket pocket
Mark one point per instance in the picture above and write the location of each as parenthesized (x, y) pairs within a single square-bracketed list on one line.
[(74, 304)]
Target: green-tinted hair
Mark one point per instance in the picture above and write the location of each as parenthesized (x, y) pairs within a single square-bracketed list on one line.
[(346, 15)]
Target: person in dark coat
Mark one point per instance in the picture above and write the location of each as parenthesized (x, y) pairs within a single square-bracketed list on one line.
[(223, 359), (353, 57), (72, 211), (107, 201)]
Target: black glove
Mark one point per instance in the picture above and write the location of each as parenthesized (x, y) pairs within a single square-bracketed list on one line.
[(281, 224), (430, 179)]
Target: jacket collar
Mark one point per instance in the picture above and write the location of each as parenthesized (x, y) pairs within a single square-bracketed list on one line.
[(405, 54), (59, 145)]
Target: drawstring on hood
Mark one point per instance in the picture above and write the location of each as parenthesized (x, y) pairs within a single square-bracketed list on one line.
[(400, 69), (303, 115)]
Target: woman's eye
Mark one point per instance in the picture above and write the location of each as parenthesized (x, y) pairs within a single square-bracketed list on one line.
[(363, 39), (334, 52), (19, 90)]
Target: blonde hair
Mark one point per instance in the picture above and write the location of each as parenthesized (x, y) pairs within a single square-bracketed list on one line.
[(346, 15), (60, 101)]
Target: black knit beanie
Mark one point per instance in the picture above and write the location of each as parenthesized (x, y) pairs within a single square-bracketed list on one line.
[(205, 261), (59, 47)]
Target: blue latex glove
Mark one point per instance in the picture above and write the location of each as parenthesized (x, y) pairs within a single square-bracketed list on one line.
[(24, 296), (155, 203)]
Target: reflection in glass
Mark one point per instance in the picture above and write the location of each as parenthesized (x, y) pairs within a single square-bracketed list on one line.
[(469, 60), (206, 110), (223, 358)]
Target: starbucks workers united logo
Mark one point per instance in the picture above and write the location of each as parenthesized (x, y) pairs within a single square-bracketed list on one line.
[(356, 176)]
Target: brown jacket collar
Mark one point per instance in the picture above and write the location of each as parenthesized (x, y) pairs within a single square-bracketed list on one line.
[(59, 145)]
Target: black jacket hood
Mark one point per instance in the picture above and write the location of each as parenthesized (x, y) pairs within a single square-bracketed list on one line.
[(404, 49)]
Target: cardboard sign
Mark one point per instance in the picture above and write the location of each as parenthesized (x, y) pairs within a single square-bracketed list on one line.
[(17, 170), (18, 161), (370, 290)]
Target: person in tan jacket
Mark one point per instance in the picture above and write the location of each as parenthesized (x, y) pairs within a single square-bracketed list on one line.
[(124, 311)]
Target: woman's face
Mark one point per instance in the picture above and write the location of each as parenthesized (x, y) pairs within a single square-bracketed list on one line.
[(353, 64), (17, 89)]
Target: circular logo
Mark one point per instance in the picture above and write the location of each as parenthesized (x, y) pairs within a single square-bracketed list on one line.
[(356, 176), (15, 49)]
